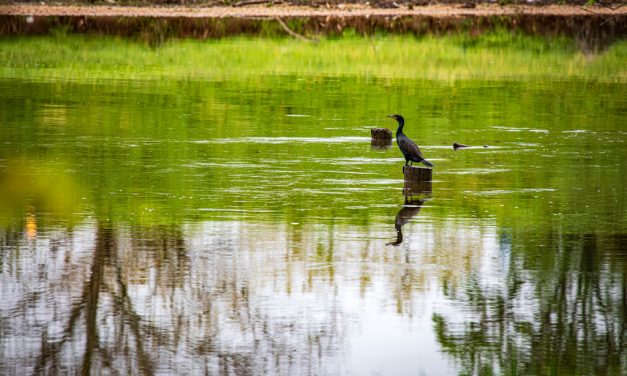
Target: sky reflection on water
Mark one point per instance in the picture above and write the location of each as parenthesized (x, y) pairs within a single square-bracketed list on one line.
[(249, 298)]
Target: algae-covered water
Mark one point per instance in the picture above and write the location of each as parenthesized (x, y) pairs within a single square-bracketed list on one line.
[(218, 207)]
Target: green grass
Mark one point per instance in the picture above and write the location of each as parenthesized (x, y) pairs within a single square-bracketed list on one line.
[(496, 55)]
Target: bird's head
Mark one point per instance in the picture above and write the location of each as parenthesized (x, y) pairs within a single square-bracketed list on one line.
[(398, 118)]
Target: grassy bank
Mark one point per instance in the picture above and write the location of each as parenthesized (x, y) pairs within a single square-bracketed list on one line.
[(494, 55)]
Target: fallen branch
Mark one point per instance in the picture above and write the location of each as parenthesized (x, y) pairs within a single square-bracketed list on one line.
[(244, 3), (604, 6), (610, 7), (293, 33)]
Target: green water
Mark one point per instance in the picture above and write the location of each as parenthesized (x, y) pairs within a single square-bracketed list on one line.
[(163, 221)]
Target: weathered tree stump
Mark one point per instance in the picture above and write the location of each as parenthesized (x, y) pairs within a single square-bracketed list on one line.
[(417, 180), (381, 134)]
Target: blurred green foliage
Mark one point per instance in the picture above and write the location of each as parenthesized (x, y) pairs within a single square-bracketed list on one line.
[(495, 55)]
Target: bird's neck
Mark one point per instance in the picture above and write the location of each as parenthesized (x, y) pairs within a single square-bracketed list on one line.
[(399, 130)]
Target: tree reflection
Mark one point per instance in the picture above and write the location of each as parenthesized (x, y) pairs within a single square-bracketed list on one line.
[(106, 285), (134, 303), (570, 318)]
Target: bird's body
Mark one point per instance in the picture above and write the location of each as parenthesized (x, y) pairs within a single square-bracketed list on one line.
[(410, 150)]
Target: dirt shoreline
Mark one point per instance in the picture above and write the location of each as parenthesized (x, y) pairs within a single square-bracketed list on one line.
[(341, 10)]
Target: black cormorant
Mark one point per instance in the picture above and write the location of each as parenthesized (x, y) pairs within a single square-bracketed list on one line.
[(408, 147)]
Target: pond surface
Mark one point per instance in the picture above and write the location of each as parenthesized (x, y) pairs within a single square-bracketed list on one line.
[(247, 226)]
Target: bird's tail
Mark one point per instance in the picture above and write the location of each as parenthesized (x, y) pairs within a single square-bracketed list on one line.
[(427, 163)]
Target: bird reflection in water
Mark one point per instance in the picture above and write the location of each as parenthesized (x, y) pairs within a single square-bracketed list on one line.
[(409, 210)]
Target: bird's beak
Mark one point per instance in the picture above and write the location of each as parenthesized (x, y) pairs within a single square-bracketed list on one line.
[(392, 116)]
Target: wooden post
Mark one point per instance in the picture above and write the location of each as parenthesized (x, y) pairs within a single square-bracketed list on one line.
[(416, 188), (381, 134), (417, 180), (413, 173)]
